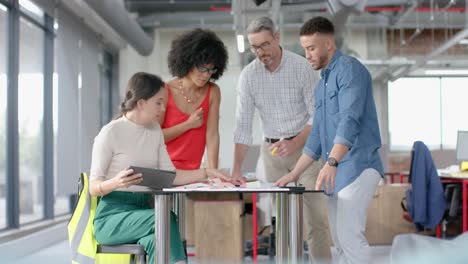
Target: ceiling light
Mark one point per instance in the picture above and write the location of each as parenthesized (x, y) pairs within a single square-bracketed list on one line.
[(463, 42), (446, 72), (240, 43)]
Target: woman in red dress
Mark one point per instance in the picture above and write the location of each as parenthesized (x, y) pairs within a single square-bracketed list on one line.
[(190, 124)]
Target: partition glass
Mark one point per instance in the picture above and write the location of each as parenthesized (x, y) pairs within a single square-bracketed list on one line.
[(30, 120), (454, 109), (3, 105), (414, 112)]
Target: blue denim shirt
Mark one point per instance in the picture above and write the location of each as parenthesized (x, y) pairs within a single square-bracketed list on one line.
[(345, 114)]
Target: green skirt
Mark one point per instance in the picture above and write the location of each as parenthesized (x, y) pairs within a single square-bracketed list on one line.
[(126, 218)]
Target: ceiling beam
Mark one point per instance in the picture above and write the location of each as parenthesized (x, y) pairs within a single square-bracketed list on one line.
[(441, 49)]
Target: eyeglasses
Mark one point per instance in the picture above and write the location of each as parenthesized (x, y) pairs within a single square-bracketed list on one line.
[(264, 46), (204, 69)]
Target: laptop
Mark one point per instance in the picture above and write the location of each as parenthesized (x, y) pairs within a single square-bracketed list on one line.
[(155, 179)]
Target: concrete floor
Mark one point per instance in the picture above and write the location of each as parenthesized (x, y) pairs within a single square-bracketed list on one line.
[(60, 253)]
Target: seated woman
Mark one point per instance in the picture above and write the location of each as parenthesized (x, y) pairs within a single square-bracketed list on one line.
[(135, 138), (191, 120)]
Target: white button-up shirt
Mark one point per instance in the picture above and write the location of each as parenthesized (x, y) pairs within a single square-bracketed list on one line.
[(283, 98)]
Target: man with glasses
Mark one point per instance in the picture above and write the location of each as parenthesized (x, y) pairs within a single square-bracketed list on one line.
[(280, 84)]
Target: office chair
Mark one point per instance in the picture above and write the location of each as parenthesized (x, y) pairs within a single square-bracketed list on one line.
[(425, 199), (104, 253), (453, 211), (453, 196), (136, 251)]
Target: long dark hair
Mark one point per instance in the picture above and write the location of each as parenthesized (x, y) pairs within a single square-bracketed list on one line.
[(142, 85)]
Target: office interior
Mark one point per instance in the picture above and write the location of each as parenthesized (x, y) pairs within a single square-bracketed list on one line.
[(64, 65)]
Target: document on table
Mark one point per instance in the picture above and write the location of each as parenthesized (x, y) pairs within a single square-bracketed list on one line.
[(205, 186), (459, 174), (447, 172)]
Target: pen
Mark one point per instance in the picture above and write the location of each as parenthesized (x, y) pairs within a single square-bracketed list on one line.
[(275, 149)]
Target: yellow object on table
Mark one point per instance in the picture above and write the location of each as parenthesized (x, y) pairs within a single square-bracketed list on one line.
[(464, 166)]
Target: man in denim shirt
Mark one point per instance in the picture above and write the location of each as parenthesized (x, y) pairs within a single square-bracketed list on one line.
[(345, 132)]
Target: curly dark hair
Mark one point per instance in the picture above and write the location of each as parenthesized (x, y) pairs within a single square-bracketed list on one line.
[(196, 48), (317, 24)]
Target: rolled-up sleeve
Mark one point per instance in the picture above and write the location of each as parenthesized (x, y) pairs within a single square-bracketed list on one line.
[(352, 97), (244, 112), (313, 147)]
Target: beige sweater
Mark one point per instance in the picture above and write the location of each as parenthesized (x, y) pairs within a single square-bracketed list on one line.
[(122, 143)]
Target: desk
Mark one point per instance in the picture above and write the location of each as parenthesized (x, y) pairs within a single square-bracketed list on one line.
[(447, 178), (288, 222)]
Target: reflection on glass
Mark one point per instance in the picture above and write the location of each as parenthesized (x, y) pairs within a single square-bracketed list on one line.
[(454, 109), (3, 103), (61, 202), (30, 8), (412, 119), (30, 117)]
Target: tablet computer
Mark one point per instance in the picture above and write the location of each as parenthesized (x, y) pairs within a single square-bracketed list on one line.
[(155, 178)]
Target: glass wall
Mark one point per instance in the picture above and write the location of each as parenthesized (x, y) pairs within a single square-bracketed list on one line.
[(454, 109), (3, 103), (34, 194), (30, 116), (414, 112), (430, 109)]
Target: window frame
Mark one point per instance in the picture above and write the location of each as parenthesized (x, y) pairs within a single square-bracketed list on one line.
[(440, 145), (12, 186)]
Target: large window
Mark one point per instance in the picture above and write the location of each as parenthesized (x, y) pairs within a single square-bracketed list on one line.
[(454, 109), (429, 109), (30, 116), (30, 107), (3, 103)]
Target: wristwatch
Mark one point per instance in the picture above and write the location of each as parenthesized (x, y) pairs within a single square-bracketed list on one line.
[(332, 162)]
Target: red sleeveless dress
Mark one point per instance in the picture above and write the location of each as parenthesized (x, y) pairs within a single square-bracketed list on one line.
[(186, 151)]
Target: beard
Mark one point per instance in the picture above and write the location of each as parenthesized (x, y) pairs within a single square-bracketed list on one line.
[(266, 60), (320, 63)]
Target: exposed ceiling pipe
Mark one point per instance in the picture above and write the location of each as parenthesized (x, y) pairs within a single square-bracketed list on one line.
[(275, 11), (444, 47), (421, 9), (117, 17), (402, 15), (341, 10), (150, 6), (95, 22), (419, 29)]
